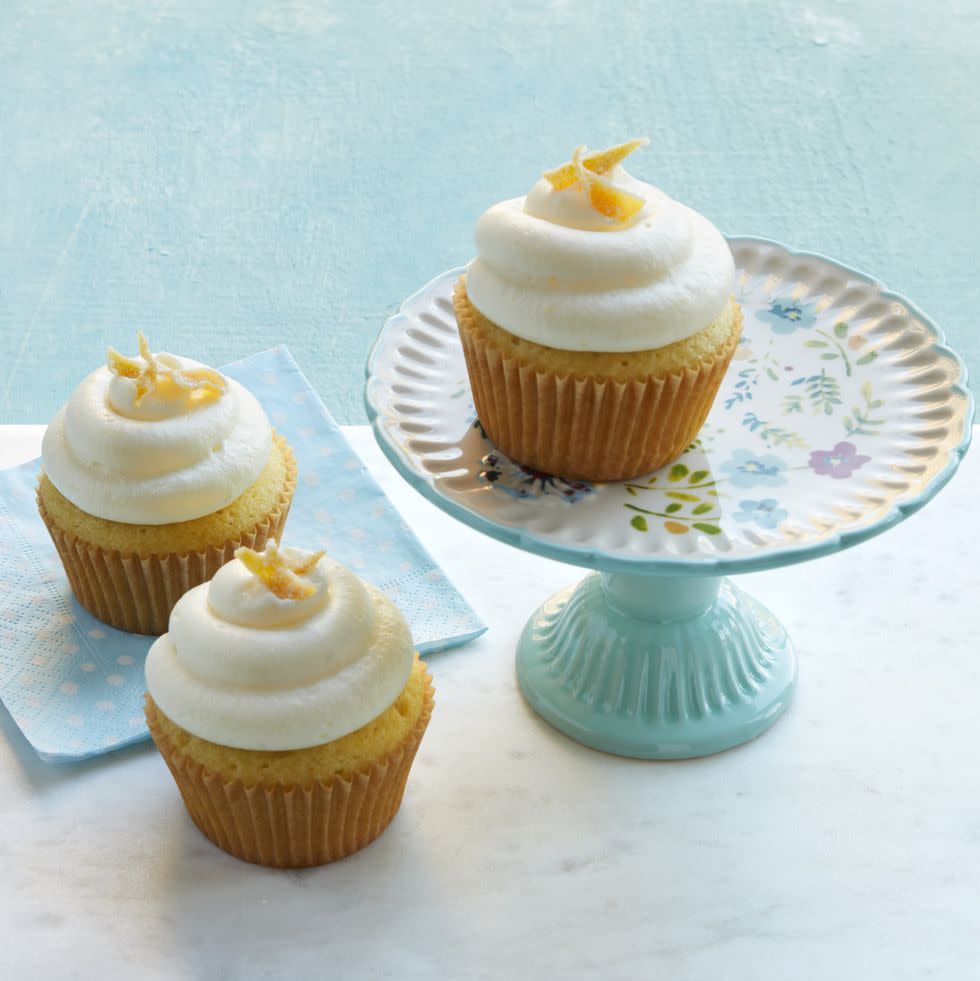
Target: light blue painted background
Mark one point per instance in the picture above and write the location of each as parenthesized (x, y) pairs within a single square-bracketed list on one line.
[(227, 175)]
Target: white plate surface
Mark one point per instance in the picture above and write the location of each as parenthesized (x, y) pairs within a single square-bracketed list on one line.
[(842, 412)]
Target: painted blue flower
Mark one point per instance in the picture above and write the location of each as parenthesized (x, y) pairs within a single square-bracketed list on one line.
[(765, 513), (748, 469), (786, 316), (516, 480)]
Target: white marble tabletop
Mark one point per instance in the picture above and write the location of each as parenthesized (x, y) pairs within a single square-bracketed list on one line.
[(844, 843)]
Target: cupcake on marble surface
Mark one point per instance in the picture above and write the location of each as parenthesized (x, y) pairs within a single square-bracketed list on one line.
[(153, 473), (597, 321), (288, 702)]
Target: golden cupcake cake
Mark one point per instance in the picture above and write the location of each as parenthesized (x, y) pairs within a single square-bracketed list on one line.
[(155, 471), (288, 702), (597, 321)]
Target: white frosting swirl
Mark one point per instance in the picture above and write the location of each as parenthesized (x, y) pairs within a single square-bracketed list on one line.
[(243, 668), (553, 270), (171, 456)]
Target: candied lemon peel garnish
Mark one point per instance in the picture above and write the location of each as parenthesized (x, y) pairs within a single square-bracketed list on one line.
[(150, 371), (598, 162), (588, 170), (282, 576)]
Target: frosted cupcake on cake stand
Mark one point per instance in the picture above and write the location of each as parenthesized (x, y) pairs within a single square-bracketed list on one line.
[(842, 413)]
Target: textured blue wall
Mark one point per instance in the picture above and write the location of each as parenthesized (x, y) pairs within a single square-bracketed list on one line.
[(228, 175)]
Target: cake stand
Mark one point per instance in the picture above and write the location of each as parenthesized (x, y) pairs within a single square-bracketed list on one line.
[(842, 413)]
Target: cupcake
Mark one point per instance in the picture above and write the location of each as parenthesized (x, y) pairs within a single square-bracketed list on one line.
[(597, 321), (288, 702), (153, 473)]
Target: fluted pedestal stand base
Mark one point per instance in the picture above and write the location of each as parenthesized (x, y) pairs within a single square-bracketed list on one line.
[(656, 668)]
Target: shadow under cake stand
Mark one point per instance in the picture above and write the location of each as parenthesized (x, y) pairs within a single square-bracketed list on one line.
[(842, 413)]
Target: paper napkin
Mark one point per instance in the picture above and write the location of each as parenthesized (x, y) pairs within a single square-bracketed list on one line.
[(75, 686)]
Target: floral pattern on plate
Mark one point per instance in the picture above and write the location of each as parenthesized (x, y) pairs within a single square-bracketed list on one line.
[(841, 405), (508, 477)]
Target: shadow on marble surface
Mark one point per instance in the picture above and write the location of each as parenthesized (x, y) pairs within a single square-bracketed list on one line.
[(44, 775), (339, 902)]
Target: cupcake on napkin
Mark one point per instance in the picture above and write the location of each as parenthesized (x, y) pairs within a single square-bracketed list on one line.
[(154, 472), (288, 702), (597, 321)]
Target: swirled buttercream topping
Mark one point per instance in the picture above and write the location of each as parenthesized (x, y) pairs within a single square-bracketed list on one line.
[(244, 667), (577, 265), (155, 440)]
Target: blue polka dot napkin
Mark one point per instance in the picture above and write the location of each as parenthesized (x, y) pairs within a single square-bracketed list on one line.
[(75, 685)]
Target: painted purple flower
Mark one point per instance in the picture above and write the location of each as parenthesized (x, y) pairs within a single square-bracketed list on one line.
[(765, 513), (839, 463)]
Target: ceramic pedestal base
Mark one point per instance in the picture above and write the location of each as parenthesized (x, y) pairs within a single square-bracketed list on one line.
[(656, 668)]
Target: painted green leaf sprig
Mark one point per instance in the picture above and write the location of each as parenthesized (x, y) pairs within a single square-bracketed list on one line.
[(861, 421), (833, 348), (689, 501)]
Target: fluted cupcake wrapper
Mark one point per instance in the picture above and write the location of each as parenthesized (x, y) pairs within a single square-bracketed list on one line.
[(136, 593), (288, 826), (588, 428)]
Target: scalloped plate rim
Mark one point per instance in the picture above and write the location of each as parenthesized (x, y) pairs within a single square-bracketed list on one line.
[(770, 558)]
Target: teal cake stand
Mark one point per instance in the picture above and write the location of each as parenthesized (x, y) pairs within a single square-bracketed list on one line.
[(656, 667), (842, 413)]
